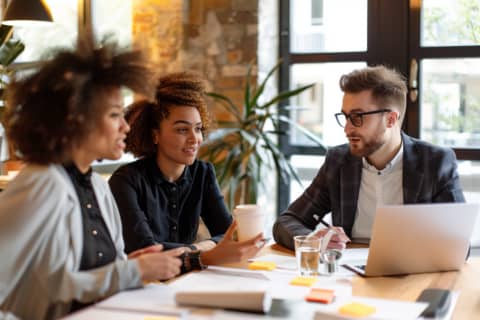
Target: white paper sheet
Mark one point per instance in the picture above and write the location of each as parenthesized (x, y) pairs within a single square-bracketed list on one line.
[(385, 309), (105, 314), (222, 279), (354, 256), (282, 262), (155, 298), (357, 256)]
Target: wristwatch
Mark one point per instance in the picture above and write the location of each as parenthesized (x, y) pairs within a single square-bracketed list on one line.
[(191, 261)]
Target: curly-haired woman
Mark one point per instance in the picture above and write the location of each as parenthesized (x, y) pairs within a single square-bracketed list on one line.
[(162, 196), (61, 243)]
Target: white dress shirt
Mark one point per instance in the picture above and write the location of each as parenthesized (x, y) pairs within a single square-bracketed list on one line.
[(377, 187)]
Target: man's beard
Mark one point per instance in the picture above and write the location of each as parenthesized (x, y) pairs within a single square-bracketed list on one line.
[(367, 147)]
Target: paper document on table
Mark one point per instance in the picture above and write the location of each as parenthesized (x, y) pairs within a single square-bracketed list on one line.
[(155, 298), (236, 272), (106, 314), (348, 307), (281, 261), (357, 256), (281, 288), (222, 279), (354, 256)]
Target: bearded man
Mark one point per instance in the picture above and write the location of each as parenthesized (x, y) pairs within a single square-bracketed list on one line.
[(380, 165)]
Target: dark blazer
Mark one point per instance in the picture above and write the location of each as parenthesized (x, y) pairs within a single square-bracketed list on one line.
[(154, 210), (429, 175)]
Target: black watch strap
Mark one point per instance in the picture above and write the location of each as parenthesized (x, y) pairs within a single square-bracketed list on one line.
[(191, 261)]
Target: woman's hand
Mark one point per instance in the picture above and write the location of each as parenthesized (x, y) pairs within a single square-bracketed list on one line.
[(155, 264), (230, 251), (149, 249)]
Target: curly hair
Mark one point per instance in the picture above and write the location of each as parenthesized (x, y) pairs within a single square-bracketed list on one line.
[(56, 107), (176, 89), (387, 85)]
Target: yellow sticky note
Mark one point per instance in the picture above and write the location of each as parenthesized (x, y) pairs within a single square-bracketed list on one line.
[(262, 265), (356, 309), (303, 281), (161, 318)]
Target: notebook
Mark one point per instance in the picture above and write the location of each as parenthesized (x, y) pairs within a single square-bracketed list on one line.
[(418, 238)]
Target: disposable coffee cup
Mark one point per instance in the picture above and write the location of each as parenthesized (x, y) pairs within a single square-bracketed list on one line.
[(250, 221)]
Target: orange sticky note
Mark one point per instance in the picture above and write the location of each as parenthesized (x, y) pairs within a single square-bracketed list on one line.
[(320, 295), (262, 265), (356, 309), (303, 281)]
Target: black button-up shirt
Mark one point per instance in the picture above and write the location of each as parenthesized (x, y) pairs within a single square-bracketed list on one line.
[(154, 210), (98, 248)]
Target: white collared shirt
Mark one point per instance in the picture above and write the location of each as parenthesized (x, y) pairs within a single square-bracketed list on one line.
[(377, 187)]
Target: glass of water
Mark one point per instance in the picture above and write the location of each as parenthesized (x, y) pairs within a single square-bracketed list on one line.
[(307, 252)]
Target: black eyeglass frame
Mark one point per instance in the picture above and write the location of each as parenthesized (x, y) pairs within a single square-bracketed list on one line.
[(357, 114)]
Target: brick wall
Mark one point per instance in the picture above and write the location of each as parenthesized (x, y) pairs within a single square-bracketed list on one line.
[(217, 38)]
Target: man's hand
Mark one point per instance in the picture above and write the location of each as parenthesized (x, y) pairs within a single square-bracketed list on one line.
[(338, 241)]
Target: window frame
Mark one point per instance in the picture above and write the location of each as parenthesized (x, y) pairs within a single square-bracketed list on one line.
[(395, 46)]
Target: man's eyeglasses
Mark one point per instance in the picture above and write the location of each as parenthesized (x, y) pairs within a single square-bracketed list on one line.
[(356, 118)]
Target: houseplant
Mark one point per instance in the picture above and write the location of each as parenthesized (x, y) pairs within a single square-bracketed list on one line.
[(242, 149), (10, 49)]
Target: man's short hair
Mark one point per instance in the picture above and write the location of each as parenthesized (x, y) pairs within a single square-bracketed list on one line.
[(388, 86)]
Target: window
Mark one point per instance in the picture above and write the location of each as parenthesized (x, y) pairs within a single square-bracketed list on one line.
[(62, 33), (317, 12), (435, 43), (109, 18), (324, 32)]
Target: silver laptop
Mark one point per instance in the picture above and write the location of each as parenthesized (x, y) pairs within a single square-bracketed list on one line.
[(419, 238)]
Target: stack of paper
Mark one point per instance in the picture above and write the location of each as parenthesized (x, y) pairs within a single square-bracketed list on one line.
[(253, 301), (227, 288)]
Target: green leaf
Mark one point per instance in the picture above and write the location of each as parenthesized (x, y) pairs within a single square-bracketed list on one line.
[(242, 150), (10, 51), (261, 88), (5, 33)]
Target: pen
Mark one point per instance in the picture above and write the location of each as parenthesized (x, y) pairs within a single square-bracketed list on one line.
[(321, 222), (325, 224)]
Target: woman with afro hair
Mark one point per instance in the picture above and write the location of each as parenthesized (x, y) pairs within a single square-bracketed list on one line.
[(61, 243), (163, 195)]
